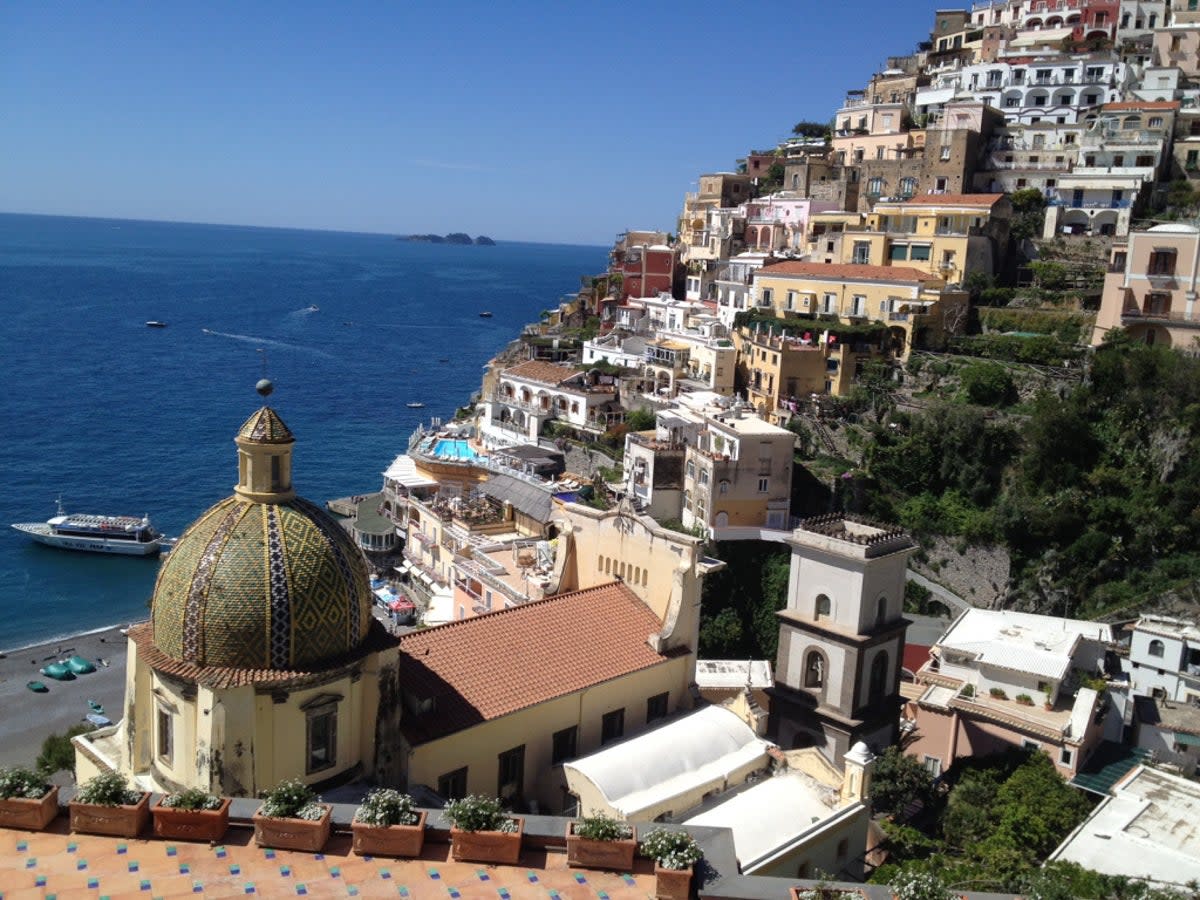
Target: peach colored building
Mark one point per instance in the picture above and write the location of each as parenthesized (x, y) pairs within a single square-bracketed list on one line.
[(1150, 288), (999, 679)]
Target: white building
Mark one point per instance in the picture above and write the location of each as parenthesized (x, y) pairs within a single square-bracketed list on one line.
[(532, 393), (1145, 830), (1164, 659)]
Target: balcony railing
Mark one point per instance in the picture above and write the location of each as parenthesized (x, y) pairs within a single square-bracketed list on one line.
[(1169, 317), (1089, 204)]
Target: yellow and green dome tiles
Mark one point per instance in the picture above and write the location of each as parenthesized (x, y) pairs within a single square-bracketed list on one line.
[(265, 427), (262, 586)]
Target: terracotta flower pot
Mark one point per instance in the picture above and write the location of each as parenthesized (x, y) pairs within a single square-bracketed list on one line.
[(191, 824), (672, 884), (308, 835), (615, 856), (32, 815), (116, 821), (498, 847), (389, 840)]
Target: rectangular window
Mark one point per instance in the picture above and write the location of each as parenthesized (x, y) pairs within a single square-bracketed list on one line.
[(1030, 745), (862, 253), (453, 785), (898, 252), (1066, 756), (510, 780), (919, 252), (564, 745), (322, 739), (768, 297), (656, 707), (1162, 262), (791, 299), (166, 736), (933, 765), (612, 726), (764, 485)]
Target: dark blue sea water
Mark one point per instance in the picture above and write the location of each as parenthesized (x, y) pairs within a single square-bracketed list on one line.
[(123, 419)]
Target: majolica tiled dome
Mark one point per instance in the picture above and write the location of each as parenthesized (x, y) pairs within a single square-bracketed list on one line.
[(264, 579)]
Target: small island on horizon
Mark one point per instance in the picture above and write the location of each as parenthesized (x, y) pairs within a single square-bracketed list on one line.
[(456, 237)]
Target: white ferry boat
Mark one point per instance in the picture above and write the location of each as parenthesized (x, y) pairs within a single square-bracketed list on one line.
[(125, 535)]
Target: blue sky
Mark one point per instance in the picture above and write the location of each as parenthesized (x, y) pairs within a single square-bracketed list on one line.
[(559, 122)]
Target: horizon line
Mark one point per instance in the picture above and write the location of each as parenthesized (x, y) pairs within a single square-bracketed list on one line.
[(396, 235)]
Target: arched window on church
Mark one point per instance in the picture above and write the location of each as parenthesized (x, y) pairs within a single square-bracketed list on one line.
[(823, 606), (881, 611), (879, 677), (814, 670)]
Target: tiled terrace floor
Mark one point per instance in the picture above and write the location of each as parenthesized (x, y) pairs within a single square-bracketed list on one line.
[(58, 864)]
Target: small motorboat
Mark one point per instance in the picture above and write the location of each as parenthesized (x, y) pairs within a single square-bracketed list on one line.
[(312, 307), (100, 721), (485, 315), (416, 404), (38, 687), (154, 323)]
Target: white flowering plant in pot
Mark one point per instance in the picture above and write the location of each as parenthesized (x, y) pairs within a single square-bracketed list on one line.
[(672, 849), (479, 813), (192, 800), (291, 799), (385, 806), (920, 886)]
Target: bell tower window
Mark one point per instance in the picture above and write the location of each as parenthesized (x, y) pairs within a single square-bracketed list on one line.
[(823, 606), (814, 670)]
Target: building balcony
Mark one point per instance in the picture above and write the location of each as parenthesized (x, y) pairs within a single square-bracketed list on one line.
[(656, 444), (1089, 204), (1168, 318)]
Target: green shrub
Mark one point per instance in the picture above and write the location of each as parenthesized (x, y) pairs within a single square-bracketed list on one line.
[(192, 800), (384, 806), (57, 751), (672, 849), (602, 828), (21, 783), (291, 799), (987, 384), (998, 693), (478, 813), (108, 789)]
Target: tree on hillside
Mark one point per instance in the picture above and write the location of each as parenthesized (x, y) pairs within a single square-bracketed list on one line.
[(810, 129), (899, 781), (1029, 213)]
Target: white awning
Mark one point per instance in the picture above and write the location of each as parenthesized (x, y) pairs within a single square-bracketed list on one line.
[(404, 470), (1040, 36)]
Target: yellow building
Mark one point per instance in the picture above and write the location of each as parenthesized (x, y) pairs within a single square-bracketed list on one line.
[(261, 660), (916, 307), (948, 236), (496, 703)]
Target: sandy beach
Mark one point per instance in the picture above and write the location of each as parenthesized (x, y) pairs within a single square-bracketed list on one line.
[(27, 718)]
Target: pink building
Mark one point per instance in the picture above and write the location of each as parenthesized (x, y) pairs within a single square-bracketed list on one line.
[(780, 221), (1150, 288), (999, 679)]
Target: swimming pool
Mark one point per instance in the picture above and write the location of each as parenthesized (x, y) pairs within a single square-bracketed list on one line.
[(453, 449)]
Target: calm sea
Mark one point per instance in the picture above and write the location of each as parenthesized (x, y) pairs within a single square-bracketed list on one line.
[(123, 419)]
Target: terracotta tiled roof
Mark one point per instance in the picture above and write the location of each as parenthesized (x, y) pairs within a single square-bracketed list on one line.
[(838, 272), (227, 676), (544, 372), (479, 669), (973, 200), (1142, 104)]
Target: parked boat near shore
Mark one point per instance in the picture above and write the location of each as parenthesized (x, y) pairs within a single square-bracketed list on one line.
[(124, 535)]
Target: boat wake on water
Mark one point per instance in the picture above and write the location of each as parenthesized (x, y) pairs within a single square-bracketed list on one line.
[(268, 342)]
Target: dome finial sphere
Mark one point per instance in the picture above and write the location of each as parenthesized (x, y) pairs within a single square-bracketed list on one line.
[(264, 387)]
